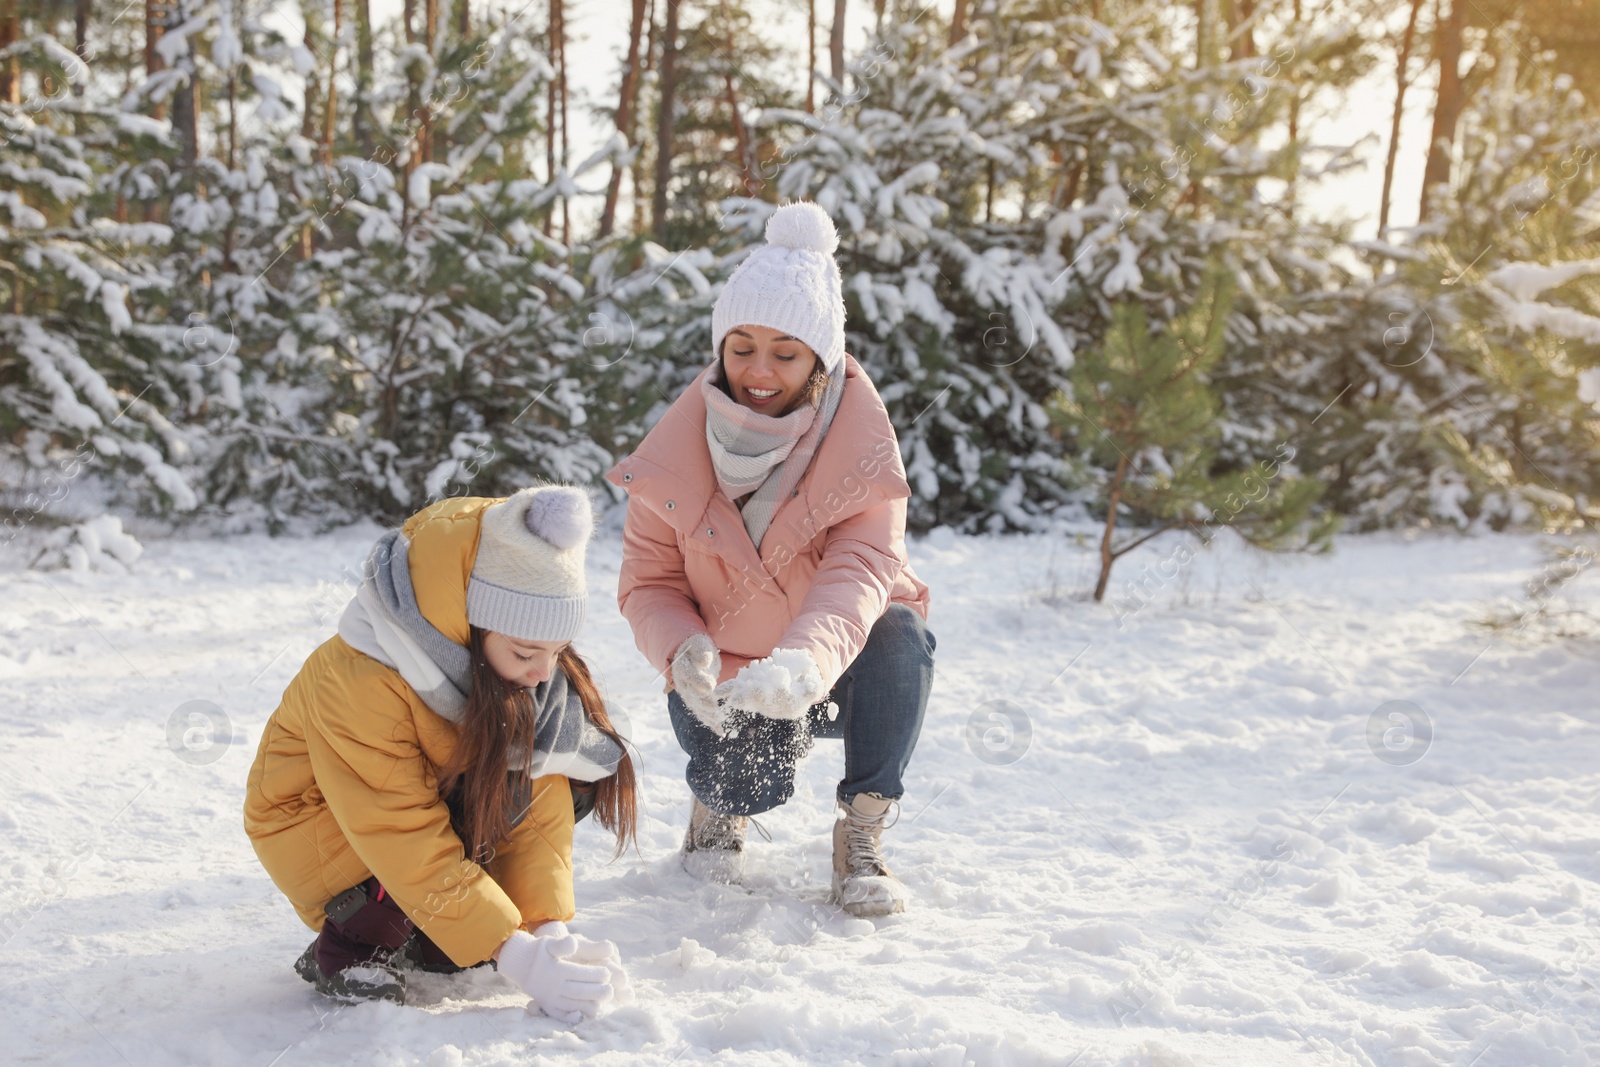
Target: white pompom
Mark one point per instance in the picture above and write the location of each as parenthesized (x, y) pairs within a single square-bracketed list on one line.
[(561, 515), (802, 225)]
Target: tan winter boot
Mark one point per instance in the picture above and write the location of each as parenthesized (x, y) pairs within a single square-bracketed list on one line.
[(713, 848), (862, 883)]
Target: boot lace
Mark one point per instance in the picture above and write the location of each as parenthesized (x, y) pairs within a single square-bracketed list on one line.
[(861, 838), (719, 831)]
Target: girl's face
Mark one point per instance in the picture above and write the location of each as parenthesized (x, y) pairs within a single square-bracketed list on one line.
[(766, 370), (521, 662)]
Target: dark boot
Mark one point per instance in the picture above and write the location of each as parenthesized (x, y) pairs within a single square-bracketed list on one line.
[(351, 957), (358, 982)]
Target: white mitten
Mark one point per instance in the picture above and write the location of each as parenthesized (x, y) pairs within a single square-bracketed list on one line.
[(783, 686), (604, 953), (563, 988), (695, 668)]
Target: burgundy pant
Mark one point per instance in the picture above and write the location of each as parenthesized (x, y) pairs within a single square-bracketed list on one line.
[(373, 933)]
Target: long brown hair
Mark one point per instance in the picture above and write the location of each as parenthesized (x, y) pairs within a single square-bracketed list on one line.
[(499, 717)]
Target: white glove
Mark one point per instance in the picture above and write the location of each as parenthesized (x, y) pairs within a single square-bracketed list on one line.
[(604, 953), (783, 686), (695, 668), (562, 987)]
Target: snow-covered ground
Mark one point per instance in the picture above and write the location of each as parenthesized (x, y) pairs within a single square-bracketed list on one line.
[(1174, 843)]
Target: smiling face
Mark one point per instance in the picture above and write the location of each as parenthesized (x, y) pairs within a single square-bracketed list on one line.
[(521, 662), (766, 369)]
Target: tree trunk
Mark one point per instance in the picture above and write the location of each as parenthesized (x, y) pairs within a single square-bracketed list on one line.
[(1205, 34), (552, 104), (330, 101), (836, 44), (625, 123), (811, 56), (639, 168), (1107, 557), (1402, 79), (1294, 128), (80, 38), (664, 124), (463, 19), (186, 100), (1241, 36), (408, 19), (11, 69), (1069, 186), (741, 134), (363, 121), (311, 10), (233, 156), (561, 80), (958, 23), (430, 31), (155, 24), (1447, 106)]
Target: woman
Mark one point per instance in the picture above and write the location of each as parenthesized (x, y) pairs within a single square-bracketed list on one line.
[(411, 793), (764, 567)]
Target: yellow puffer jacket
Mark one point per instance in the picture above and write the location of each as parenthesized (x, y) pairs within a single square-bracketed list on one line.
[(345, 782)]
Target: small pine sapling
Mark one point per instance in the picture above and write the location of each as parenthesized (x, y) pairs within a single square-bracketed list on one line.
[(1143, 404)]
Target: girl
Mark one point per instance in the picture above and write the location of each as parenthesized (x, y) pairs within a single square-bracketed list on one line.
[(411, 793), (764, 567)]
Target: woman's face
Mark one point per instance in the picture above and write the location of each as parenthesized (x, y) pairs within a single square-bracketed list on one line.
[(521, 662), (766, 369)]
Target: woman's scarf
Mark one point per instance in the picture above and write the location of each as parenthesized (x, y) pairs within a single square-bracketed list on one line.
[(384, 622), (764, 453)]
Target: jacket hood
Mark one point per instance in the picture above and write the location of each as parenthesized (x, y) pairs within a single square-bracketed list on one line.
[(444, 545)]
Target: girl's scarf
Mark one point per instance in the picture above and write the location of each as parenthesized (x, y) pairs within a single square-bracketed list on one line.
[(384, 622), (767, 454)]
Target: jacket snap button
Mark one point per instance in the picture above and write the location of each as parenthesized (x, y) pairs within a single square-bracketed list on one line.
[(671, 506), (710, 532), (627, 477)]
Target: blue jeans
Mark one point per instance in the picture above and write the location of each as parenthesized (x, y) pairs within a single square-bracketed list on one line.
[(881, 697)]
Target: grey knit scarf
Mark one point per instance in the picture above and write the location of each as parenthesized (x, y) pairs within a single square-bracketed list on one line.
[(767, 454), (384, 622)]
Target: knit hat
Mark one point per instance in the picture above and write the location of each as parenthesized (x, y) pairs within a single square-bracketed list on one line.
[(527, 580), (791, 284)]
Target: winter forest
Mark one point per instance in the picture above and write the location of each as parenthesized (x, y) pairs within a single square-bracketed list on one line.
[(254, 280), (1220, 474)]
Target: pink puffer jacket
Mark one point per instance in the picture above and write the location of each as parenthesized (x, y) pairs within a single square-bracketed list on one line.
[(830, 565)]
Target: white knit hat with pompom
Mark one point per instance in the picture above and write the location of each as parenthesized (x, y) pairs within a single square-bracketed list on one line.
[(527, 580), (791, 284)]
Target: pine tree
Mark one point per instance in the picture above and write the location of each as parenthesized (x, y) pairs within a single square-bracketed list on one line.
[(997, 198), (83, 384), (1458, 405), (1142, 402)]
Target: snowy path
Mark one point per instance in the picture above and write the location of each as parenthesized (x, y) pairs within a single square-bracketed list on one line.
[(1189, 854)]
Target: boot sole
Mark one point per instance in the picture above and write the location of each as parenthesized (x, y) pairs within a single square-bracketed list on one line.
[(870, 898), (344, 990), (715, 865)]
